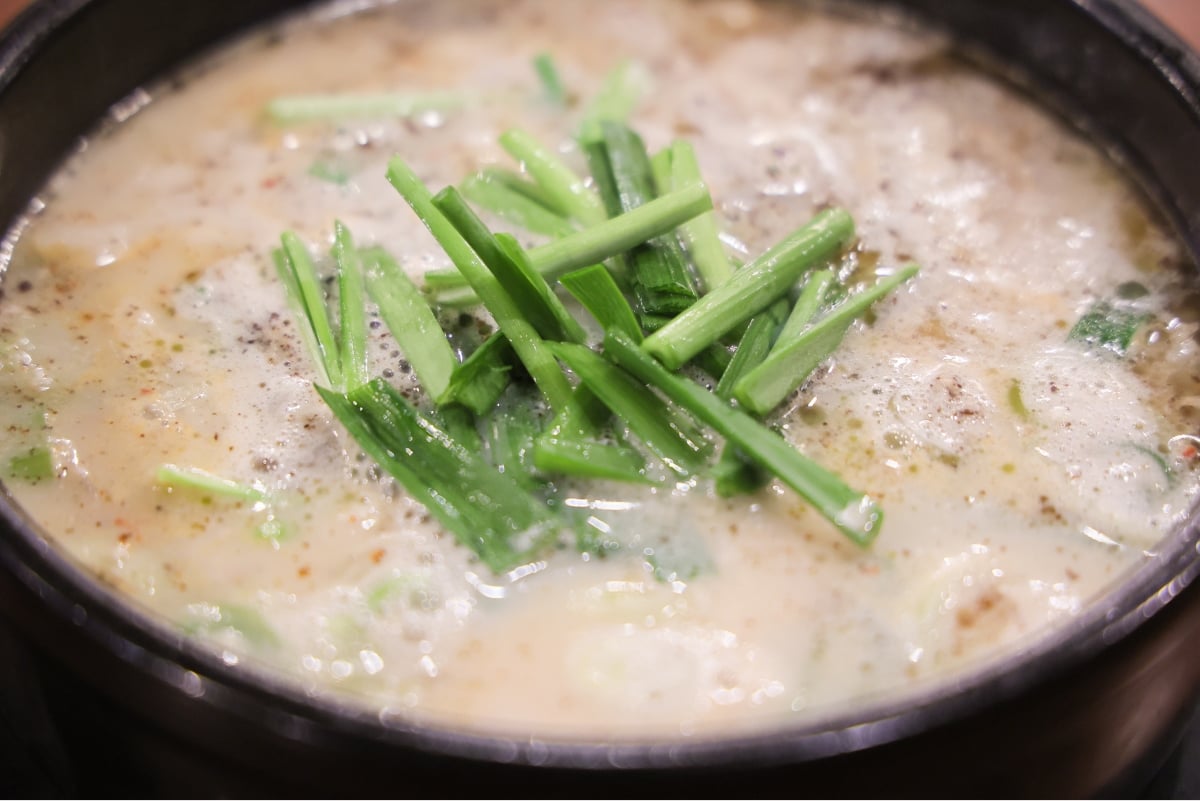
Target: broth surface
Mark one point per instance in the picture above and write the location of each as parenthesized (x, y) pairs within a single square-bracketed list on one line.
[(1021, 472)]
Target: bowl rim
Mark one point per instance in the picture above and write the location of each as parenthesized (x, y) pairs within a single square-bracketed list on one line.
[(144, 643)]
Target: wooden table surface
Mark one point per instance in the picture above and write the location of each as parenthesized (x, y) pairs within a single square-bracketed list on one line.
[(1183, 15)]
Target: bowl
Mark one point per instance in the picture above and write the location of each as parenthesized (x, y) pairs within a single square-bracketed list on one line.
[(1090, 709)]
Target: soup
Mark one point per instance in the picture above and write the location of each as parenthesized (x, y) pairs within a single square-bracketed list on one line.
[(1025, 458)]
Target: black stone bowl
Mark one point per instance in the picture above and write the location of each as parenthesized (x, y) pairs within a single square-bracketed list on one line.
[(1091, 710)]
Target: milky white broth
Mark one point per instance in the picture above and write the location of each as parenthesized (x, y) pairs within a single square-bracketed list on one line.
[(143, 316)]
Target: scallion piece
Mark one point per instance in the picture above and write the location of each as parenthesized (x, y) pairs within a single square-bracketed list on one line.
[(667, 434), (529, 347), (595, 288), (608, 238), (586, 457), (616, 98), (351, 298), (807, 305), (481, 379), (1108, 325), (569, 192), (788, 364), (307, 298), (600, 242), (34, 464), (371, 105), (411, 321), (509, 204), (508, 263), (486, 510), (750, 290), (198, 480), (699, 233), (658, 271), (852, 512), (552, 84), (734, 473)]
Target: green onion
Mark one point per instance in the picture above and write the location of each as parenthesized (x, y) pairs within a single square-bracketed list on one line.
[(307, 299), (481, 379), (351, 297), (600, 242), (35, 464), (617, 235), (552, 84), (1109, 326), (1016, 402), (587, 457), (699, 233), (569, 192), (303, 108), (529, 347), (511, 433), (658, 271), (508, 263), (669, 436), (752, 348), (517, 208), (735, 474), (750, 290), (245, 621), (411, 322), (616, 99), (198, 480), (853, 513), (330, 171), (486, 510), (807, 305), (595, 288), (790, 363)]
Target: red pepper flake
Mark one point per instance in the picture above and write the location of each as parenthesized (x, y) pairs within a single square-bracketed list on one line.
[(304, 571), (378, 555)]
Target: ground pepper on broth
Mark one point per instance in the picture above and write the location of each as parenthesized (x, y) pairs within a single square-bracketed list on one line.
[(1023, 470)]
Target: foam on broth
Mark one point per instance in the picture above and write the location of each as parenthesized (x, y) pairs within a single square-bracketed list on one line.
[(142, 319)]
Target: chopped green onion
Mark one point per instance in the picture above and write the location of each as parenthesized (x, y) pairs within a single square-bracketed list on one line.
[(616, 99), (411, 322), (35, 464), (699, 233), (853, 513), (601, 241), (352, 297), (481, 379), (669, 436), (790, 363), (1015, 401), (807, 305), (307, 299), (658, 271), (586, 457), (303, 108), (1109, 326), (595, 288), (569, 192), (529, 347), (486, 510), (193, 478), (245, 621), (750, 290), (552, 84), (734, 473), (517, 208), (511, 433), (508, 263), (330, 171), (617, 235), (752, 348)]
